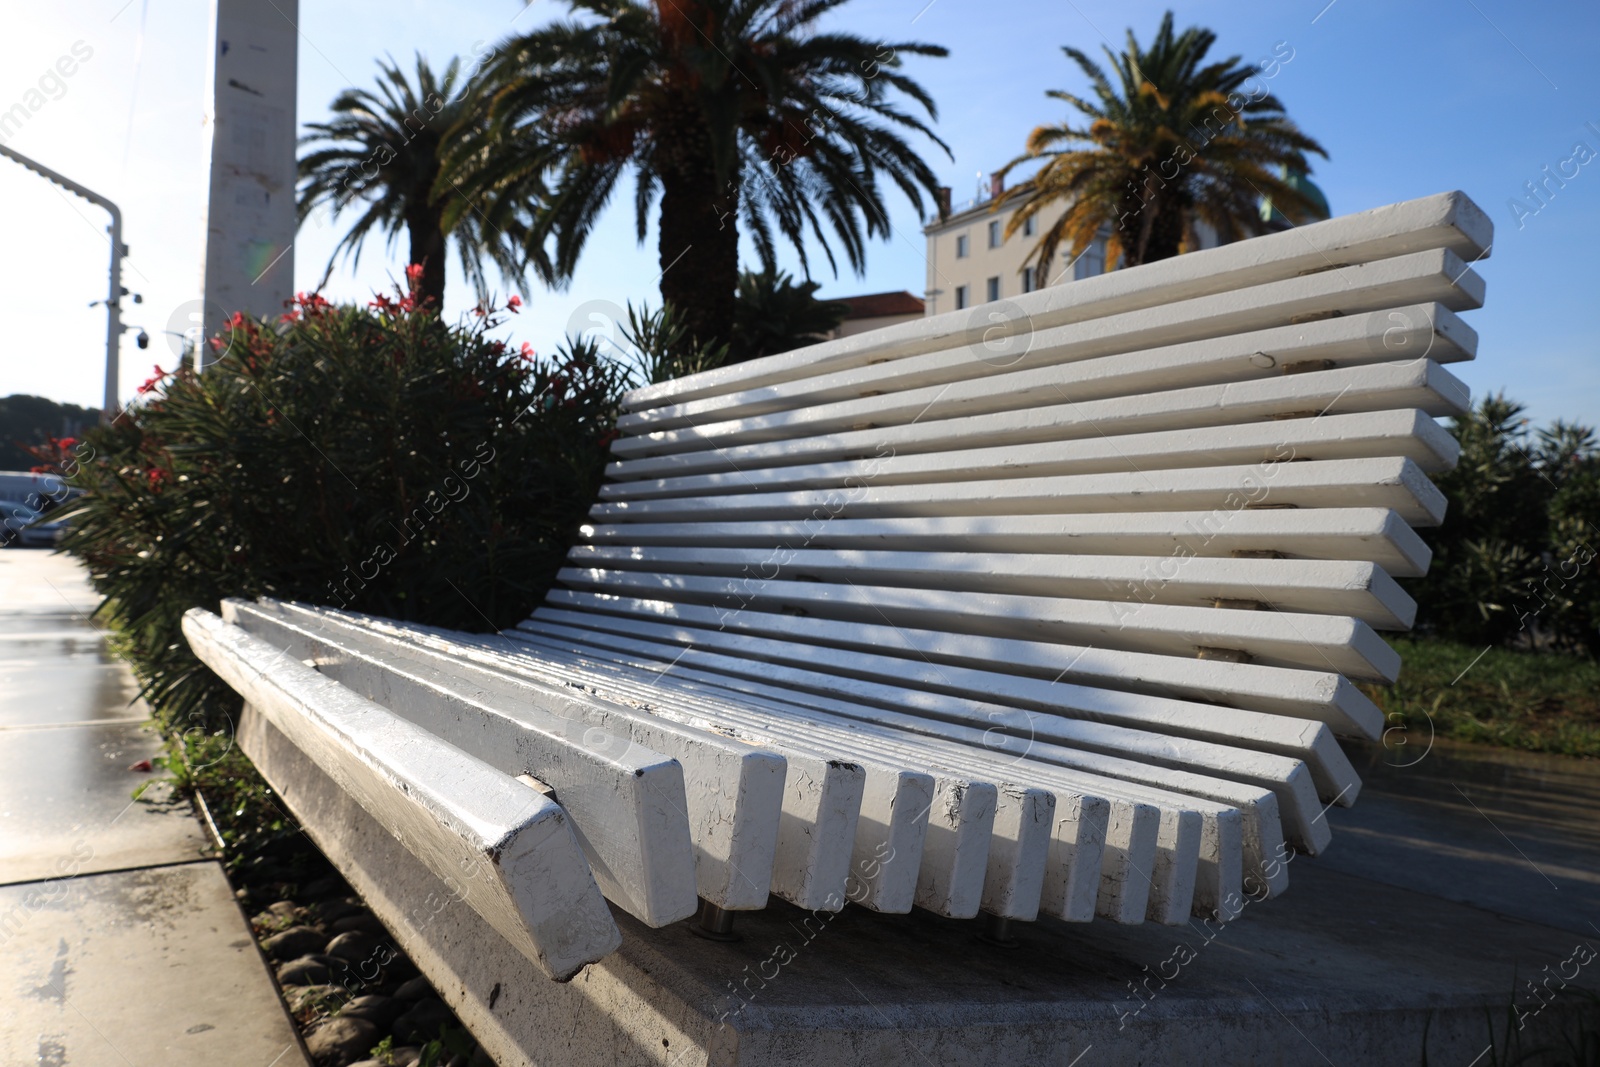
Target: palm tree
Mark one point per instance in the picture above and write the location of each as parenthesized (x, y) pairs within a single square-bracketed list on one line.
[(385, 153), (773, 313), (734, 113), (1171, 144)]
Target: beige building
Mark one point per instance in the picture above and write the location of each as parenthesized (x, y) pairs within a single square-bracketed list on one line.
[(970, 262)]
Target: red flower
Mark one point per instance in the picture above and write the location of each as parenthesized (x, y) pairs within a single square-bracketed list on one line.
[(153, 381), (527, 352), (414, 273), (514, 303), (67, 442), (237, 320)]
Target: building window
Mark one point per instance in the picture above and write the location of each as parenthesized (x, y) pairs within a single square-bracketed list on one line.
[(961, 295), (993, 290), (961, 247), (1093, 260), (1028, 226), (994, 235), (1028, 284)]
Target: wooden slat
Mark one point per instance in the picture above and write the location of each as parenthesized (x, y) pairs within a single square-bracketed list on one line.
[(629, 805), (1321, 695), (456, 813), (835, 431), (1250, 334), (1425, 386), (1349, 533), (1038, 702), (938, 716), (1393, 483), (1445, 220), (733, 792), (1277, 638), (1412, 434), (1325, 587)]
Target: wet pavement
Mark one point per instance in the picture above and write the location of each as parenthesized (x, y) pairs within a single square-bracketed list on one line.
[(120, 940)]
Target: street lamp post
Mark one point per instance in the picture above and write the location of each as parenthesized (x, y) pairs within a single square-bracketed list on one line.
[(114, 294)]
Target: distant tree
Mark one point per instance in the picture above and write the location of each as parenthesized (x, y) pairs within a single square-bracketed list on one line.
[(773, 313), (29, 421), (384, 154), (1170, 144), (735, 113)]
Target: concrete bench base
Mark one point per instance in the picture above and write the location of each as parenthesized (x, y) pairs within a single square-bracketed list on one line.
[(1353, 972)]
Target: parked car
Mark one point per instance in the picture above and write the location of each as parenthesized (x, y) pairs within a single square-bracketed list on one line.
[(22, 525)]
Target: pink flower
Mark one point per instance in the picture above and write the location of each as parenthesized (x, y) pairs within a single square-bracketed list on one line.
[(514, 303), (153, 381), (527, 352)]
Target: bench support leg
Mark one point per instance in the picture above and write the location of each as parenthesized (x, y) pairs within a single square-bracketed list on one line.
[(997, 931), (714, 923)]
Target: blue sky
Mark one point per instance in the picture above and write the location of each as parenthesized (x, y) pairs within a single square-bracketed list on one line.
[(1409, 99)]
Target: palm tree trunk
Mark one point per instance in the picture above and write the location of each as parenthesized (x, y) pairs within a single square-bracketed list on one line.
[(699, 251), (426, 228)]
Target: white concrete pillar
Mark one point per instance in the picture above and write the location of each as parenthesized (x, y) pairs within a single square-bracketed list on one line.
[(251, 127)]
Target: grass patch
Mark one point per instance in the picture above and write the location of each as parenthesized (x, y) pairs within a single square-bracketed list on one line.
[(1535, 701)]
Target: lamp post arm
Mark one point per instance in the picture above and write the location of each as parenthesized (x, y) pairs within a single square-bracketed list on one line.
[(114, 293)]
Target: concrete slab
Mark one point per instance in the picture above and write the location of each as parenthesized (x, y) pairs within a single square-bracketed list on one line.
[(139, 967), (66, 804), (69, 730), (54, 682), (1514, 833), (1343, 969), (40, 582)]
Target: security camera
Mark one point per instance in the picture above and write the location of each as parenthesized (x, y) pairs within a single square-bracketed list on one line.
[(143, 340)]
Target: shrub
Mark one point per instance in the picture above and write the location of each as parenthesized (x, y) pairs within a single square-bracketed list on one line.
[(370, 458), (1513, 562)]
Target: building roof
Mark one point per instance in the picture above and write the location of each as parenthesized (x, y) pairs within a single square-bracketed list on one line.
[(877, 305)]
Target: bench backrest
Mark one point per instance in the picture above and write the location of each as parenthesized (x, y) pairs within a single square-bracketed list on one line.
[(1195, 479)]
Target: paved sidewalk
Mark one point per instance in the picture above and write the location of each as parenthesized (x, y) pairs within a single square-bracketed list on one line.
[(120, 940)]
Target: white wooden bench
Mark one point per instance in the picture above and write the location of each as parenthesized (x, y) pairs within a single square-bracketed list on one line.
[(1052, 606)]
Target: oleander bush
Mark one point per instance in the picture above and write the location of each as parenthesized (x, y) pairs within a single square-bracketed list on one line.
[(1515, 562), (372, 458)]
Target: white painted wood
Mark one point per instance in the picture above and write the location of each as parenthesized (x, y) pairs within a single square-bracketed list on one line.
[(1278, 638), (817, 838), (1377, 535), (1077, 849), (510, 850), (832, 435), (948, 690), (955, 856), (1391, 482), (1320, 695), (817, 832), (1333, 587), (1099, 370), (734, 792), (629, 809), (1412, 434), (1014, 873), (1448, 220), (1024, 822), (889, 840), (1245, 334), (1223, 841)]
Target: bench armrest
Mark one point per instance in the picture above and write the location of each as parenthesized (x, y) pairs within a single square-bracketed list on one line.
[(506, 848)]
